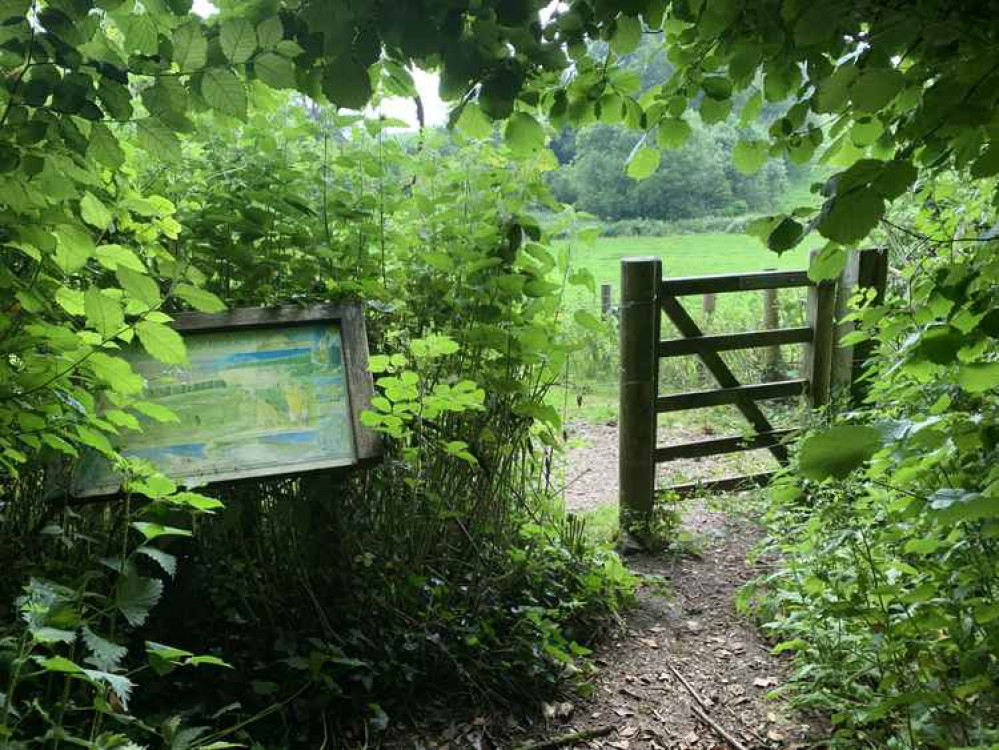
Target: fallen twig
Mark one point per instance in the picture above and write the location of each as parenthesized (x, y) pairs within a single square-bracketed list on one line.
[(718, 728), (690, 688), (568, 739), (700, 700)]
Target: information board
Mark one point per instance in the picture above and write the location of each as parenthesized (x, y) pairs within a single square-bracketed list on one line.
[(265, 392)]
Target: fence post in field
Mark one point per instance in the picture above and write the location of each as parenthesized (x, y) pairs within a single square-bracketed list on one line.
[(872, 273), (708, 302), (773, 368), (639, 366), (819, 354), (605, 301)]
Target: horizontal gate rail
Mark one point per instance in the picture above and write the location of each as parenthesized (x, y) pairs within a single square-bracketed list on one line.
[(719, 446), (739, 394), (727, 484), (721, 371), (728, 341), (734, 282)]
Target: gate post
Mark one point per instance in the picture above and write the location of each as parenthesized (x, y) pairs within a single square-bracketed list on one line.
[(639, 369), (819, 354)]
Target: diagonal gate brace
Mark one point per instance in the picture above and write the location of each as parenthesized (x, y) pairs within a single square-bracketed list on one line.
[(721, 372)]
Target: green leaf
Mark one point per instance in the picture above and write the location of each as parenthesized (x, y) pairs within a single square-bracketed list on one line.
[(849, 218), (135, 596), (57, 443), (70, 300), (987, 164), (195, 501), (238, 39), (673, 132), (139, 287), (94, 212), (955, 505), (875, 88), (162, 342), (833, 91), (986, 613), (896, 177), (104, 314), (750, 156), (751, 109), (270, 32), (978, 377), (346, 83), (94, 439), (116, 372), (155, 530), (59, 664), (922, 546), (627, 36), (200, 299), (838, 451), (817, 24), (113, 257), (717, 87), (523, 134), (473, 123), (643, 163), (785, 235), (276, 71), (714, 110), (224, 92), (73, 249), (828, 263), (157, 139), (104, 146), (212, 661), (165, 560), (104, 654), (140, 34), (190, 47)]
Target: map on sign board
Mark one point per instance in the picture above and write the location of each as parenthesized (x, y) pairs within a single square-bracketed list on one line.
[(251, 402)]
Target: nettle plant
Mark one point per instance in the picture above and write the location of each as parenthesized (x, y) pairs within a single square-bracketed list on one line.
[(69, 662), (410, 401)]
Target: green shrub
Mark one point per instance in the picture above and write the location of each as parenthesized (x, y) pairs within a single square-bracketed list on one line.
[(445, 570), (886, 584)]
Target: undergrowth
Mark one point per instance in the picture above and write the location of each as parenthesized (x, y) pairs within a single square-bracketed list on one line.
[(293, 611), (886, 580)]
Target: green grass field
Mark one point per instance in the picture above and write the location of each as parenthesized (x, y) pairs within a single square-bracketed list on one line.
[(682, 255)]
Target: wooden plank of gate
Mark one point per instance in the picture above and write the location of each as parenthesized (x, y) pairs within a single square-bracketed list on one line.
[(716, 365), (727, 341), (734, 282), (718, 446), (720, 396), (721, 485)]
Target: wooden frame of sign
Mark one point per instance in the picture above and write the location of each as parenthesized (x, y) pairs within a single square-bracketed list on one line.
[(269, 392)]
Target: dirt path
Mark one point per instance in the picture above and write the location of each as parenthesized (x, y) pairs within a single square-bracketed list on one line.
[(684, 631), (695, 631)]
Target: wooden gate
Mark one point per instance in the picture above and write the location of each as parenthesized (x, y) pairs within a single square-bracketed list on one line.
[(646, 296)]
